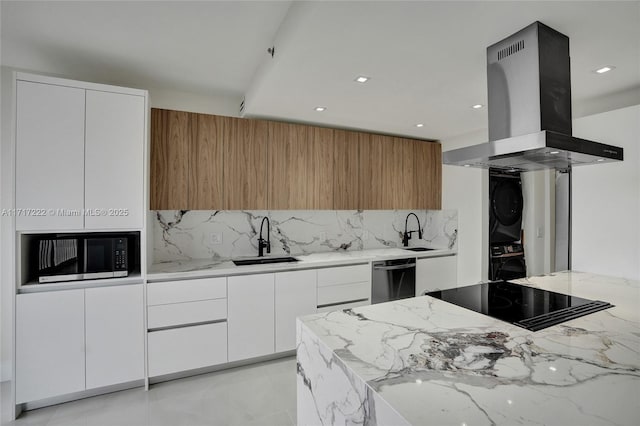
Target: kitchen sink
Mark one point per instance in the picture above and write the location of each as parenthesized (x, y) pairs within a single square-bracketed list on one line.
[(417, 248), (264, 260)]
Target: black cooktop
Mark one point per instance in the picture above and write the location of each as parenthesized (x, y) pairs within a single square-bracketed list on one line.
[(526, 307)]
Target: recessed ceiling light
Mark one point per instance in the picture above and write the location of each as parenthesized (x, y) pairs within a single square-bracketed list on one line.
[(477, 106), (419, 125), (605, 69), (320, 109), (554, 152), (362, 79), (467, 165), (600, 159)]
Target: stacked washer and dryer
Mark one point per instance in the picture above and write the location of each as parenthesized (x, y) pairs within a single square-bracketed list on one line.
[(506, 248)]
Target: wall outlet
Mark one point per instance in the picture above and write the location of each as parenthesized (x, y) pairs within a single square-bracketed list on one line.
[(215, 238)]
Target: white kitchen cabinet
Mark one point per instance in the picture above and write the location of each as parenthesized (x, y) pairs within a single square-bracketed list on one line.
[(49, 156), (80, 159), (436, 273), (250, 316), (72, 340), (295, 295), (50, 357), (114, 322), (114, 159), (187, 348)]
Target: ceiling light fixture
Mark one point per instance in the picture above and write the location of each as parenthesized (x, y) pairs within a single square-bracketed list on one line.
[(604, 69), (554, 152), (477, 106), (600, 159), (419, 125), (320, 109), (362, 79)]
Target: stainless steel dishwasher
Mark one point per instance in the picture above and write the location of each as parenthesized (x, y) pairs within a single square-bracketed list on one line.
[(393, 279)]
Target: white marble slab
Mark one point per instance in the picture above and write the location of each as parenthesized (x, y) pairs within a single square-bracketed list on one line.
[(424, 361), (180, 235), (200, 268)]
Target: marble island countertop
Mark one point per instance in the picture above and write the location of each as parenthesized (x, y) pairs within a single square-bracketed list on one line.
[(422, 361), (201, 268)]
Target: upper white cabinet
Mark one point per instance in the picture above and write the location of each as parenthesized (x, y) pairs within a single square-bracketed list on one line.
[(114, 159), (436, 273), (295, 295), (80, 158), (49, 155)]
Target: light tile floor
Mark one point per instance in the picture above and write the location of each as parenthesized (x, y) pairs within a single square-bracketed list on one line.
[(262, 394)]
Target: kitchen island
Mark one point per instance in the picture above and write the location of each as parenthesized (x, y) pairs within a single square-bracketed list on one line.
[(422, 361)]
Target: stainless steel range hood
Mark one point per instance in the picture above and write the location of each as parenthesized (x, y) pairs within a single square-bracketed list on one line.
[(529, 82)]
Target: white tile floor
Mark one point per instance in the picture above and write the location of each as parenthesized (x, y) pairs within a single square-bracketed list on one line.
[(261, 394)]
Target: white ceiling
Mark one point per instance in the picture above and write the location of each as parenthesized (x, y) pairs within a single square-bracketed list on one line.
[(426, 59)]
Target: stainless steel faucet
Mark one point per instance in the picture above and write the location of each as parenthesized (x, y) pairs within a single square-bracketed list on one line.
[(262, 243), (407, 234)]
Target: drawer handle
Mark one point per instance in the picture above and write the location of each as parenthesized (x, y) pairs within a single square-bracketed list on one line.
[(392, 268), (190, 324), (342, 303)]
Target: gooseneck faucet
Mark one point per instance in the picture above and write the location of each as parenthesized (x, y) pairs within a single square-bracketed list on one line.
[(407, 234), (262, 243)]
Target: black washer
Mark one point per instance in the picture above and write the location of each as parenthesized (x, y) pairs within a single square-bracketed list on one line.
[(506, 204)]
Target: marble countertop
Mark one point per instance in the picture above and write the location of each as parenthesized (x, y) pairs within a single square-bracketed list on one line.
[(436, 363), (202, 268)]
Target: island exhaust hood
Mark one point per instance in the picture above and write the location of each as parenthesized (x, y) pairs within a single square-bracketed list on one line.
[(529, 82)]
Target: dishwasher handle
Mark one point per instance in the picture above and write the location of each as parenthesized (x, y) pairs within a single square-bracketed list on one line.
[(394, 267)]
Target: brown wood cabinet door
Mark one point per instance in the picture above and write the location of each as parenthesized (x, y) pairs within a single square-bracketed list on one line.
[(300, 167), (171, 132), (206, 180), (319, 182), (402, 173), (245, 165), (346, 170), (428, 166)]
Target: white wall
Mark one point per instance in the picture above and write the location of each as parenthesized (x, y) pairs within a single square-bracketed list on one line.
[(466, 189), (538, 192), (6, 240), (606, 198)]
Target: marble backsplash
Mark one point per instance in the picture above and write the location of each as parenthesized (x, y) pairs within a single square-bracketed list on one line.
[(206, 234)]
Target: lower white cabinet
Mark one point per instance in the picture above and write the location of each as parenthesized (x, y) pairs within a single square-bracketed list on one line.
[(436, 273), (187, 348), (72, 340), (250, 316), (114, 335), (295, 295), (50, 357)]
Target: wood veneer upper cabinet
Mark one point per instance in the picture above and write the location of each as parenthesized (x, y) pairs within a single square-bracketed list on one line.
[(171, 132), (245, 165), (300, 167), (428, 174), (206, 161), (346, 170)]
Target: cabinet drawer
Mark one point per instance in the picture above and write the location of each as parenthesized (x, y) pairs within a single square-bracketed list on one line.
[(344, 275), (187, 348), (186, 313), (186, 291), (343, 293), (343, 306)]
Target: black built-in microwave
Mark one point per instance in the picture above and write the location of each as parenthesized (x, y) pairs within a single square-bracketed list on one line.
[(74, 257)]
